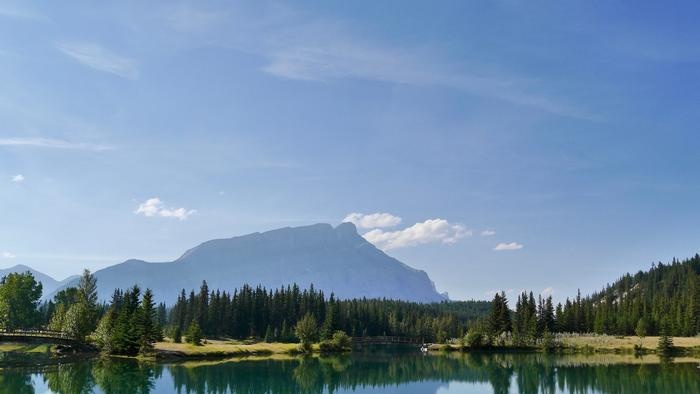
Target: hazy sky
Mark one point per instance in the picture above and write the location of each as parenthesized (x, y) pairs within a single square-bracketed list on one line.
[(506, 145)]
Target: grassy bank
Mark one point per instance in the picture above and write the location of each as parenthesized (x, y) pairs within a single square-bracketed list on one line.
[(599, 344), (25, 348), (225, 348)]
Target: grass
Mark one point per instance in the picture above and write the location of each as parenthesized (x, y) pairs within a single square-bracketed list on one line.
[(604, 344), (24, 348), (619, 343), (224, 348)]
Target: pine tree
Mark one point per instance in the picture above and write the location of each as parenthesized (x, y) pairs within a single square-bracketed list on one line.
[(146, 324), (665, 346), (194, 334)]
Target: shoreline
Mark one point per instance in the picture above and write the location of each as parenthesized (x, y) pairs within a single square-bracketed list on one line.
[(230, 349)]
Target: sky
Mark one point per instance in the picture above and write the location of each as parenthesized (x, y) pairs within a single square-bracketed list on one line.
[(497, 145)]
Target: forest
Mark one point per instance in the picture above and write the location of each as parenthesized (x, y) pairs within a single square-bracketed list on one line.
[(665, 299)]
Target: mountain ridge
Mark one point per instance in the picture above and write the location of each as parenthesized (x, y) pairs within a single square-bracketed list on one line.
[(333, 259), (48, 283)]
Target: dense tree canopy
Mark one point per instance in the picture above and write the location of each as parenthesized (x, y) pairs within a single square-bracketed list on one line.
[(19, 299), (273, 314)]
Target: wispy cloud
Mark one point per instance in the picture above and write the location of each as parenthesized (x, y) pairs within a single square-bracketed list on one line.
[(7, 255), (322, 51), (52, 143), (154, 207), (18, 178), (508, 246), (187, 18), (429, 231), (488, 233), (373, 220), (15, 11), (100, 58)]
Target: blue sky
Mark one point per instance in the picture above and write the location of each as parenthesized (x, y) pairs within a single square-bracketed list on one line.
[(566, 133)]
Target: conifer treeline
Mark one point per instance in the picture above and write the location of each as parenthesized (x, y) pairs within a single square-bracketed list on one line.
[(666, 294), (665, 298), (272, 314)]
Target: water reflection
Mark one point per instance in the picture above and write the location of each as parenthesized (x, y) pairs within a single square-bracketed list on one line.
[(363, 373)]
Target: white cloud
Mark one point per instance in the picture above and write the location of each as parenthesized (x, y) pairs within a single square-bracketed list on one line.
[(7, 255), (546, 292), (488, 233), (429, 231), (18, 178), (372, 220), (51, 143), (508, 246), (99, 58), (154, 207)]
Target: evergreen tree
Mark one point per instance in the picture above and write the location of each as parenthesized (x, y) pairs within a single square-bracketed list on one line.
[(194, 334), (665, 345), (146, 325)]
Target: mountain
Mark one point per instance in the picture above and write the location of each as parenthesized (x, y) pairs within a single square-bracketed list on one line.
[(334, 260), (49, 284)]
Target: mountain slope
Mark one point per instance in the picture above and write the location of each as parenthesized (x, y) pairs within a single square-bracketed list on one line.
[(49, 284), (666, 294), (335, 260)]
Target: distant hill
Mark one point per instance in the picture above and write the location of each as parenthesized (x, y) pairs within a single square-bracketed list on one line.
[(49, 284), (665, 294), (334, 260)]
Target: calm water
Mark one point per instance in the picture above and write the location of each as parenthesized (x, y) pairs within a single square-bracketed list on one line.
[(409, 373)]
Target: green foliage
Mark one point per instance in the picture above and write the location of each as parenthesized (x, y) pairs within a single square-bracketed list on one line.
[(548, 341), (667, 291), (339, 341), (665, 346), (641, 330), (306, 330), (194, 334), (130, 324), (147, 328), (249, 311), (19, 299), (77, 321), (76, 311), (499, 319), (177, 335), (475, 338)]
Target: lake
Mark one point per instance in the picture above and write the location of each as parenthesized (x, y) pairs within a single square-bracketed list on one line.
[(369, 372)]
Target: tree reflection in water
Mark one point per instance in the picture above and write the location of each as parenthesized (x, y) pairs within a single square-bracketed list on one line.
[(373, 372)]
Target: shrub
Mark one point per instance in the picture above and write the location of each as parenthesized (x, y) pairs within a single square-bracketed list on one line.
[(548, 342), (339, 342), (307, 331), (475, 339)]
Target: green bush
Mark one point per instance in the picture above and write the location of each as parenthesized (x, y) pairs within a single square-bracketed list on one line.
[(340, 341), (548, 342), (475, 339)]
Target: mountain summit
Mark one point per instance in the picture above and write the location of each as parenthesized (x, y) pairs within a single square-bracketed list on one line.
[(334, 260)]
